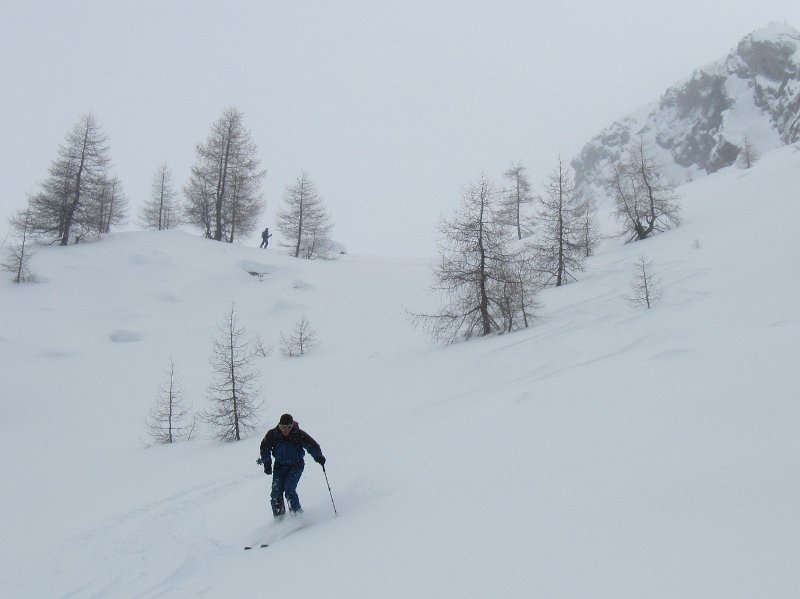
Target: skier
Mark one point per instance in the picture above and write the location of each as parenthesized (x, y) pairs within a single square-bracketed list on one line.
[(265, 235), (286, 442)]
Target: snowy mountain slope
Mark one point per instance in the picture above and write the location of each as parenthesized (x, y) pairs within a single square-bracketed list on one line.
[(699, 125), (608, 451)]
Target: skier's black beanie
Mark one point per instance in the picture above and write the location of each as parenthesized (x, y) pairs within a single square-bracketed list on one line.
[(286, 419)]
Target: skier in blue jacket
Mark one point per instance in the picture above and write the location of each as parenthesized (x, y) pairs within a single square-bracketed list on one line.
[(287, 444)]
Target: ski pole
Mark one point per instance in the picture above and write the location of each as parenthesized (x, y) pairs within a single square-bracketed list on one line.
[(329, 490)]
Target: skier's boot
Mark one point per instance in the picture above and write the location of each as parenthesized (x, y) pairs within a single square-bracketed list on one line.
[(278, 508)]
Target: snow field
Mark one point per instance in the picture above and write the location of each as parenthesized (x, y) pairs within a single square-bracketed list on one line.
[(608, 451)]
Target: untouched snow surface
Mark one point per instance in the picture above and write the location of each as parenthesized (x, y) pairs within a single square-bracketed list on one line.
[(609, 451)]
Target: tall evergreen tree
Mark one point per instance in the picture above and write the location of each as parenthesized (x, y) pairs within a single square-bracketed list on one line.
[(68, 204), (223, 196)]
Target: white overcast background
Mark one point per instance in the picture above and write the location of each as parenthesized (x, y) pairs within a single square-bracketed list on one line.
[(391, 107)]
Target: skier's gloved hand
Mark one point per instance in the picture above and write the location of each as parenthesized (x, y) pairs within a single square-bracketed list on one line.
[(259, 461), (268, 469), (320, 460)]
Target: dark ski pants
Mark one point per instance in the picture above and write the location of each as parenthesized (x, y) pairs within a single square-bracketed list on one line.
[(284, 480)]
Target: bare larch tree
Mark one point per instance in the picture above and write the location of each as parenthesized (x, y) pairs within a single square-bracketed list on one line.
[(587, 226), (748, 154), (223, 196), (515, 196), (18, 258), (111, 206), (234, 391), (67, 205), (161, 212), (559, 252), (302, 340), (480, 277), (645, 200), (645, 286), (304, 221), (168, 420)]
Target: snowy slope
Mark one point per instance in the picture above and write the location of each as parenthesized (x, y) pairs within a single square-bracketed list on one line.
[(609, 451)]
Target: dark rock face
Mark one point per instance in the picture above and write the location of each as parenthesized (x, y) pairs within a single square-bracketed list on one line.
[(690, 120), (772, 59), (698, 106), (775, 72)]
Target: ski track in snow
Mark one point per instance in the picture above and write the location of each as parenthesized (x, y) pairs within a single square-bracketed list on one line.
[(124, 545)]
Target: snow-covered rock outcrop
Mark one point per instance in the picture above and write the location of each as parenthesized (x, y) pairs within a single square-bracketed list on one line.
[(699, 125)]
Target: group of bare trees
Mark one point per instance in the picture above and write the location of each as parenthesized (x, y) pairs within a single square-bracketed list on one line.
[(223, 196), (558, 226), (224, 200), (485, 281), (81, 198), (496, 252), (234, 391), (564, 237)]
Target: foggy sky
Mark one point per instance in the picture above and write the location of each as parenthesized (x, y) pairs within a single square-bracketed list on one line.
[(391, 107)]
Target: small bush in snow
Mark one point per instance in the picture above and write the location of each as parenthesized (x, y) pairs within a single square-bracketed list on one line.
[(259, 348), (646, 286), (748, 155), (301, 341)]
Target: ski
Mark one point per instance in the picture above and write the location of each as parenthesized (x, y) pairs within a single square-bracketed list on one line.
[(281, 532)]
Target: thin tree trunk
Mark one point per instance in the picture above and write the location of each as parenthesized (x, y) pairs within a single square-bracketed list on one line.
[(221, 181), (78, 182), (300, 221)]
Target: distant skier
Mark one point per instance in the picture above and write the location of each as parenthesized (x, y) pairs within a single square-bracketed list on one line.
[(286, 442), (265, 235)]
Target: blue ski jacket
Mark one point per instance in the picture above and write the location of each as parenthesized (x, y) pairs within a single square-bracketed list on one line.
[(290, 449)]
